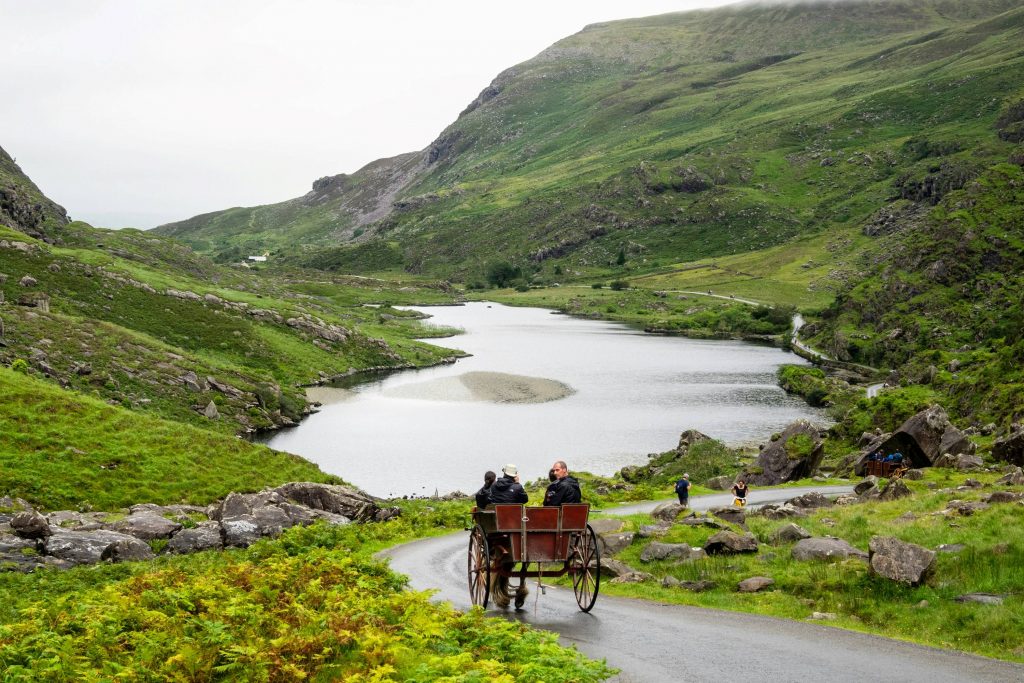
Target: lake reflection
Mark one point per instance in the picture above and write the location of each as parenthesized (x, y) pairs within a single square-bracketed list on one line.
[(633, 394)]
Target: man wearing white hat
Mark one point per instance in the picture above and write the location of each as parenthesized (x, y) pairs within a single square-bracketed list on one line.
[(507, 489)]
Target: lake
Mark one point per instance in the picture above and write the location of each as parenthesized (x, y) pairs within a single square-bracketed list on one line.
[(630, 394)]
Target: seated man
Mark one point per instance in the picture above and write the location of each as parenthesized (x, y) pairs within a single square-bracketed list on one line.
[(564, 489), (507, 489)]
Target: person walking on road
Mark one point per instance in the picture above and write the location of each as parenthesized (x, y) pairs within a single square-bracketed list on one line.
[(739, 490), (683, 490)]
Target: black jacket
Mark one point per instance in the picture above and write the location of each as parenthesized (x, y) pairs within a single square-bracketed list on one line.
[(564, 490), (483, 497), (505, 489)]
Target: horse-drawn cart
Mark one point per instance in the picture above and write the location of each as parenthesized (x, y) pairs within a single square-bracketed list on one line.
[(507, 540)]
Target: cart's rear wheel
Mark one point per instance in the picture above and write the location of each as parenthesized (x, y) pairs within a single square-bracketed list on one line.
[(479, 571), (585, 567)]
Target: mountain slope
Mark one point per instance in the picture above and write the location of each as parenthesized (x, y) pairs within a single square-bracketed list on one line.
[(674, 138), (143, 322), (23, 206)]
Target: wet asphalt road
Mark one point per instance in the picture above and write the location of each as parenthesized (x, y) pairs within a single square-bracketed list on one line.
[(654, 642)]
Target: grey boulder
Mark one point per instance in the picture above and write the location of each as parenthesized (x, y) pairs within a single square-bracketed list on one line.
[(147, 526), (204, 536), (900, 561), (789, 533), (666, 551), (797, 453), (825, 548), (755, 584), (728, 542), (30, 524), (91, 547)]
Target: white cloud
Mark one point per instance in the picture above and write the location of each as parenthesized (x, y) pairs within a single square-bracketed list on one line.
[(138, 113)]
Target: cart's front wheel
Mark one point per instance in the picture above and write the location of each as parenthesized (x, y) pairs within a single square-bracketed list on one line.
[(585, 567), (479, 570)]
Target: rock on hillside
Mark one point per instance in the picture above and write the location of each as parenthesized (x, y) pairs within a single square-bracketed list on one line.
[(922, 439), (24, 207), (795, 454), (30, 540)]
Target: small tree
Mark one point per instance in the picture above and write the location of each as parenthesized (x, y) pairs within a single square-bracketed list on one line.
[(621, 260), (502, 273)]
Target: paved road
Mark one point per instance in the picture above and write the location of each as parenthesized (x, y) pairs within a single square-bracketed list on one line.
[(654, 642)]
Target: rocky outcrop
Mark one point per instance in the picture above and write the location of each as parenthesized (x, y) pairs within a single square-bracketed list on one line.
[(732, 515), (1014, 478), (340, 500), (894, 490), (615, 568), (728, 543), (67, 538), (899, 561), (755, 584), (810, 501), (671, 551), (1010, 449), (780, 511), (795, 454), (722, 483), (826, 548), (147, 526), (204, 536), (614, 543), (668, 511), (789, 533), (923, 440), (92, 547), (30, 524)]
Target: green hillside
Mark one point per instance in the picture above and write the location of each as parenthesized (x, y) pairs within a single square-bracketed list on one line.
[(675, 138), (63, 450), (941, 300), (144, 322)]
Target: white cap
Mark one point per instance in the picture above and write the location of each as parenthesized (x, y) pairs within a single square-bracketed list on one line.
[(510, 470)]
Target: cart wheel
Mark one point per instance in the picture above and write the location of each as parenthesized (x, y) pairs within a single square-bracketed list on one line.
[(479, 571), (586, 569)]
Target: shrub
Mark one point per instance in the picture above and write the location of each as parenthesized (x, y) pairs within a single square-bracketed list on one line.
[(502, 273)]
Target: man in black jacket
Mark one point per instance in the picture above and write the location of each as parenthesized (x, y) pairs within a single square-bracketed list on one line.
[(507, 489), (564, 489)]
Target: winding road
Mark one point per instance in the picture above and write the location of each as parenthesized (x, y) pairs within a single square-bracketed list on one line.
[(655, 642)]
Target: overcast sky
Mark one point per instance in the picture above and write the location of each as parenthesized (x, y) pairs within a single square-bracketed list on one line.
[(132, 113)]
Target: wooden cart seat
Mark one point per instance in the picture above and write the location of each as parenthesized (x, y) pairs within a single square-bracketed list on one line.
[(544, 532)]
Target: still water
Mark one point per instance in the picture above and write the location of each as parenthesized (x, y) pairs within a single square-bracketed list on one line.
[(416, 432)]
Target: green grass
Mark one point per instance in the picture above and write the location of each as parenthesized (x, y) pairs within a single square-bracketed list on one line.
[(63, 450), (113, 331), (861, 601)]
